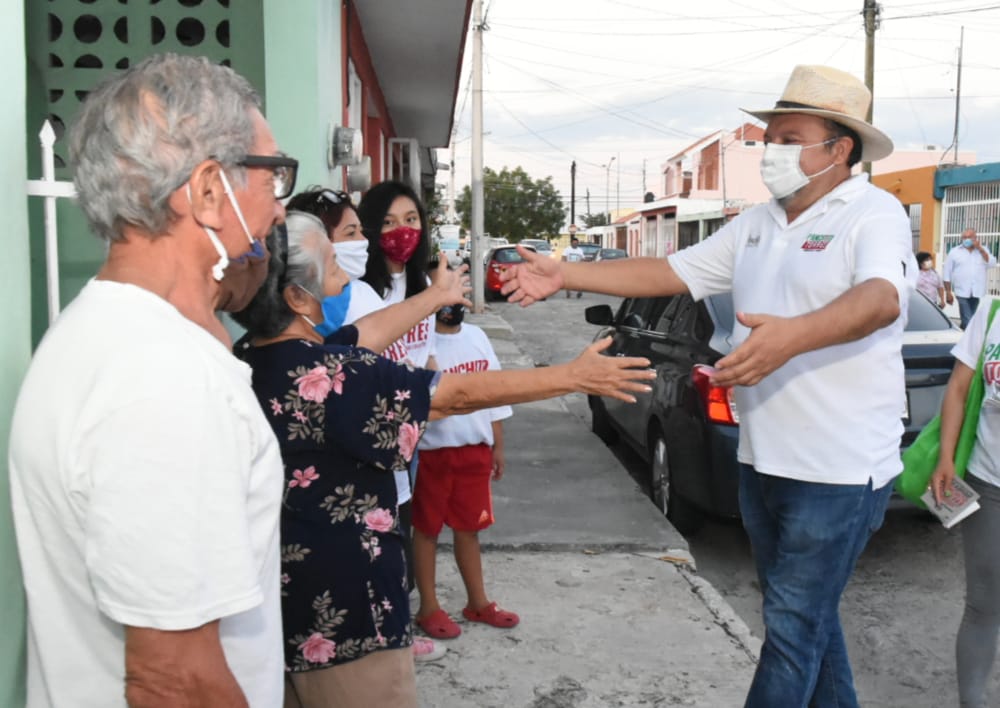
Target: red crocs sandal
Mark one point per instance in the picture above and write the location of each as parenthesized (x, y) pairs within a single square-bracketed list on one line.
[(439, 625), (493, 616)]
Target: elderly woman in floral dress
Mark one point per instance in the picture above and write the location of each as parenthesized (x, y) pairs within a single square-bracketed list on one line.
[(345, 418)]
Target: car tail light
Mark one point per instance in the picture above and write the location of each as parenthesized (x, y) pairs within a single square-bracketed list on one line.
[(717, 400)]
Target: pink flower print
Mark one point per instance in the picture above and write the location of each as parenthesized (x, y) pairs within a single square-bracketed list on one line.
[(285, 579), (379, 520), (315, 385), (300, 416), (303, 478), (338, 380), (318, 649), (402, 395), (409, 436), (390, 416), (387, 606), (376, 551), (275, 406)]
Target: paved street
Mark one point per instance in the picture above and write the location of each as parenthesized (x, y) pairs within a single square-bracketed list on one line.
[(902, 608)]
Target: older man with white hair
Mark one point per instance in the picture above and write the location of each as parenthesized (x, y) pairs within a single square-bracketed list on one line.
[(146, 482), (820, 278)]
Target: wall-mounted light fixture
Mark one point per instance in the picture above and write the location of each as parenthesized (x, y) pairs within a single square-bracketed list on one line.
[(346, 146)]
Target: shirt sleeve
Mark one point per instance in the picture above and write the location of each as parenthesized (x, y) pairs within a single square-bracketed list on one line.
[(381, 410), (883, 250), (168, 530), (971, 344), (949, 266), (707, 267)]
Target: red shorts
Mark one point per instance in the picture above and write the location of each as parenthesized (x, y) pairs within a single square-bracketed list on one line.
[(453, 488)]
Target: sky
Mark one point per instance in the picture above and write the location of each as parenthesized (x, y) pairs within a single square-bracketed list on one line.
[(640, 80)]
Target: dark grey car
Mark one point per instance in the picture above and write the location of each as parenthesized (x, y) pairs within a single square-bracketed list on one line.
[(686, 430)]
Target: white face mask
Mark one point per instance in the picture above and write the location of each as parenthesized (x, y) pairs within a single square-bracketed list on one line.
[(218, 270), (780, 169), (352, 257)]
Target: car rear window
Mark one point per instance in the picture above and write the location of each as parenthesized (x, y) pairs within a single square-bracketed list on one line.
[(589, 247), (507, 255)]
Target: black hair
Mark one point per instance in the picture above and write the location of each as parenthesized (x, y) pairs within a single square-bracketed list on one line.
[(371, 212), (327, 205), (840, 130), (923, 256)]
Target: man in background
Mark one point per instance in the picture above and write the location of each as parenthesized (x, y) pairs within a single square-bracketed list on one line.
[(573, 254), (965, 274)]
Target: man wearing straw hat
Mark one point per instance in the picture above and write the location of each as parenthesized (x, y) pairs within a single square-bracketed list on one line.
[(820, 277)]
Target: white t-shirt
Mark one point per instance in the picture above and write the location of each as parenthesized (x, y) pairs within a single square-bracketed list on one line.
[(146, 488), (572, 254), (419, 340), (831, 415), (966, 271), (985, 460), (467, 350), (364, 301)]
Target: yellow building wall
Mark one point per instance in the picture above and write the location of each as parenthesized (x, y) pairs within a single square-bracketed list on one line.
[(916, 186)]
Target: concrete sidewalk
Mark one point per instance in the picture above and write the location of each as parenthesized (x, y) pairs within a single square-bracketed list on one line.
[(612, 610)]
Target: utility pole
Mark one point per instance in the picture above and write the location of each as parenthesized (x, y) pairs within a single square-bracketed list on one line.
[(478, 214), (618, 185), (871, 12), (643, 195), (588, 201), (452, 216), (572, 193), (607, 189), (958, 91)]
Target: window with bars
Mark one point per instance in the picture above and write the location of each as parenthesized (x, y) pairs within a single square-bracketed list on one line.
[(972, 206)]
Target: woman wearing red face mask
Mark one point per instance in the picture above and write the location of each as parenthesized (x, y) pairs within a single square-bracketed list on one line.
[(393, 220)]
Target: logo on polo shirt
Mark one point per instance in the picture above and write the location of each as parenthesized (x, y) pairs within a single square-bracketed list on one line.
[(753, 241), (817, 242)]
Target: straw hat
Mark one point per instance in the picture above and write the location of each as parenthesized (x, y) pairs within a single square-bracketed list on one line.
[(834, 94)]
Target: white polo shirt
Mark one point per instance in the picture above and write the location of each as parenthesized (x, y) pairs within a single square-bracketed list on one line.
[(832, 415), (966, 271)]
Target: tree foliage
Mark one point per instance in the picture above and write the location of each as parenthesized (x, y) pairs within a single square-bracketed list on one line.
[(516, 206), (599, 219)]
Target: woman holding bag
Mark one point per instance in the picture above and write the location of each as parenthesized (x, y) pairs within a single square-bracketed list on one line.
[(977, 635)]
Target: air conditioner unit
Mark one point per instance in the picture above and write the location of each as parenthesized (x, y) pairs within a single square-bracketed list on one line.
[(404, 161)]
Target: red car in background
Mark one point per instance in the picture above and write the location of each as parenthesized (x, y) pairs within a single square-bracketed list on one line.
[(496, 260)]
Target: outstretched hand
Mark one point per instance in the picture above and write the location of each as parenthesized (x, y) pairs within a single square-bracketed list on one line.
[(771, 343), (453, 285), (612, 376), (535, 279)]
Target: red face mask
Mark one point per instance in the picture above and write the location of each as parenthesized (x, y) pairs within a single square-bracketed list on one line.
[(399, 244)]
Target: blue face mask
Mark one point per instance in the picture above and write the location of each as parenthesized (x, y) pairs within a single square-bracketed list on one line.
[(967, 243), (334, 312)]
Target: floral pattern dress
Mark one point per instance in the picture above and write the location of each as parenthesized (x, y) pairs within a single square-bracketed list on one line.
[(345, 418)]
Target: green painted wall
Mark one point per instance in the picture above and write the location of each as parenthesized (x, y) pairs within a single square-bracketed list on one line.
[(304, 83), (71, 46), (15, 344)]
